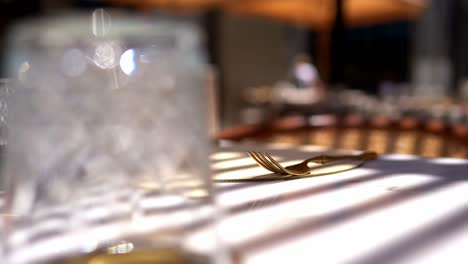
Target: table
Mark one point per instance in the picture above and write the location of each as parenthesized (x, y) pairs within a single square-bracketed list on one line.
[(398, 209)]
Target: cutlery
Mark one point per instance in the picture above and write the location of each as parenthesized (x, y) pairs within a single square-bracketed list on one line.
[(266, 161)]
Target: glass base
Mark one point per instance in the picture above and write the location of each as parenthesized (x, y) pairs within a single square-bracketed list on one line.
[(115, 255)]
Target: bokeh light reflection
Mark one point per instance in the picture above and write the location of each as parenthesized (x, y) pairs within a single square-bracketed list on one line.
[(127, 62), (105, 55), (22, 70)]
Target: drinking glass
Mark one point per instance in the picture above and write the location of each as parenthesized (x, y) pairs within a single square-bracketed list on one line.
[(5, 90), (2, 221), (107, 155)]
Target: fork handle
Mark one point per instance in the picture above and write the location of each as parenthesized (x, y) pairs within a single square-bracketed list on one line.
[(368, 155)]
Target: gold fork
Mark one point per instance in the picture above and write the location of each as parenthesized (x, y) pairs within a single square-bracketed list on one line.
[(266, 161)]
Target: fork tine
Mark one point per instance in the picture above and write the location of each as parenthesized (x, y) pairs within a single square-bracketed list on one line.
[(275, 163), (266, 163), (286, 171), (258, 161), (252, 155)]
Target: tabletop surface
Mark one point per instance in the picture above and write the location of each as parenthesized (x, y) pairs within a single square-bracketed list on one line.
[(397, 209)]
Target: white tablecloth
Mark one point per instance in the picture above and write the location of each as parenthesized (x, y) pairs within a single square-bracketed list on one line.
[(398, 209)]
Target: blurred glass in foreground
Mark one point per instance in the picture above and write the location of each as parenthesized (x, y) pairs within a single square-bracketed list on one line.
[(5, 91), (107, 159)]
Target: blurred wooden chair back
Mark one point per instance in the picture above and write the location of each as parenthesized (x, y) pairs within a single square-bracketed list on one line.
[(428, 138)]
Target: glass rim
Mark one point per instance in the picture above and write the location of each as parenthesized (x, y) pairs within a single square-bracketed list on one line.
[(66, 27)]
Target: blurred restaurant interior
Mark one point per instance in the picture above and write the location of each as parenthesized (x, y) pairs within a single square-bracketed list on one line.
[(379, 85), (353, 74)]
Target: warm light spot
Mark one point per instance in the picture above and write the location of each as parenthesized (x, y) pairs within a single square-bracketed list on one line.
[(8, 215), (196, 193), (241, 174), (183, 183), (225, 155), (313, 148), (233, 163), (149, 185)]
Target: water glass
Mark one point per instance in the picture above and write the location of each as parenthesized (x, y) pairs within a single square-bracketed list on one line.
[(5, 91), (107, 155)]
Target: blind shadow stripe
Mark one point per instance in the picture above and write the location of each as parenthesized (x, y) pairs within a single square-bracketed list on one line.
[(406, 246), (335, 218)]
